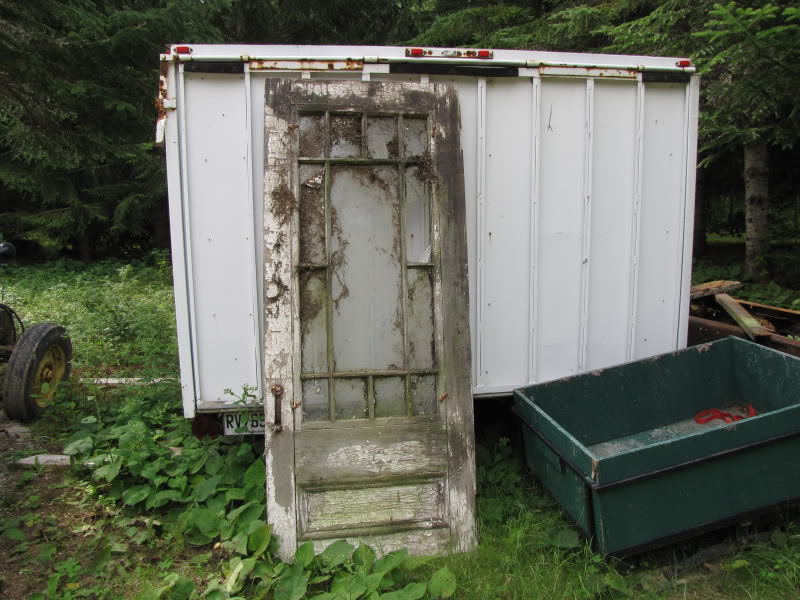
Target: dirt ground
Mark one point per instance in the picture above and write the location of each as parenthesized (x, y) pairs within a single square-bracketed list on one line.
[(37, 497)]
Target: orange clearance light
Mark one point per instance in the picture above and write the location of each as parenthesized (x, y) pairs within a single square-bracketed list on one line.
[(415, 52), (183, 50), (684, 63)]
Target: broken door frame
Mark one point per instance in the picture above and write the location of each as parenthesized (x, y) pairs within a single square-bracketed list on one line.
[(281, 289)]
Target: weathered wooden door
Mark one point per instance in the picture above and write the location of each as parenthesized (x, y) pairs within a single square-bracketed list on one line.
[(367, 360)]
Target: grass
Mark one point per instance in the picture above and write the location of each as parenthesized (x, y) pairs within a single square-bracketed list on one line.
[(120, 315), (81, 540)]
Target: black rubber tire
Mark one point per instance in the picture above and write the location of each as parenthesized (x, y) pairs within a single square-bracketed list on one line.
[(18, 385)]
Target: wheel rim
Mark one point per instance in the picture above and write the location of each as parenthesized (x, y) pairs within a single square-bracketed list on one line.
[(50, 371)]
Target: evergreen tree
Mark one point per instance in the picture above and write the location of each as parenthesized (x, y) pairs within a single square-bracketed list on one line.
[(76, 114)]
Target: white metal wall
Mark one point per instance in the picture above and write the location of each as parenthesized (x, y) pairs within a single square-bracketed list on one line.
[(579, 198), (217, 223)]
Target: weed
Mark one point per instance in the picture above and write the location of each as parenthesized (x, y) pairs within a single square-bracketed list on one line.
[(771, 293), (159, 514), (120, 316)]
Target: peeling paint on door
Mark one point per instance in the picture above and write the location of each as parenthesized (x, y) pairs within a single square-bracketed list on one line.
[(367, 316)]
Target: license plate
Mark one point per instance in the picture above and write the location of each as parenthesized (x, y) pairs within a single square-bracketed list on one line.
[(243, 423)]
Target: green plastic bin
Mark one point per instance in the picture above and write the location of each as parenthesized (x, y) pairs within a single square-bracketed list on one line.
[(621, 452)]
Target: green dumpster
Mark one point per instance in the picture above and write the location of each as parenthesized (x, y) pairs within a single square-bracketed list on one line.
[(621, 451)]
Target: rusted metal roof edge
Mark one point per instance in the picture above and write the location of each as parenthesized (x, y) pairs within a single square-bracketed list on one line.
[(428, 60)]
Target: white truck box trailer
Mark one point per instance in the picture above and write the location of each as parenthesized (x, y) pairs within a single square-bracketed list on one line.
[(579, 181)]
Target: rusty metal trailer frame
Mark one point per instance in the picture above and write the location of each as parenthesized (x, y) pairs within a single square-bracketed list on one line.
[(579, 176)]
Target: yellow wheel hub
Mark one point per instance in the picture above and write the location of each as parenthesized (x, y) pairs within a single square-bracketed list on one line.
[(49, 373)]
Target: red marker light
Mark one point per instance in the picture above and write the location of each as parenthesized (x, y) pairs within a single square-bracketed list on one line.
[(415, 52), (484, 54), (183, 50), (684, 63)]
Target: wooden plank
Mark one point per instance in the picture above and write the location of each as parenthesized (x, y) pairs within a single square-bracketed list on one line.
[(382, 506), (771, 312), (328, 457), (713, 287), (427, 542), (450, 223), (754, 330), (280, 295)]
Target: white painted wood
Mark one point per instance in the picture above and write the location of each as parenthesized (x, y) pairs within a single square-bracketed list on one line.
[(280, 337), (429, 542), (375, 506), (330, 449)]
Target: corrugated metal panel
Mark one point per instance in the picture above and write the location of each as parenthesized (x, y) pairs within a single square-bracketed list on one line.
[(219, 220), (506, 232), (560, 230), (661, 227), (612, 199)]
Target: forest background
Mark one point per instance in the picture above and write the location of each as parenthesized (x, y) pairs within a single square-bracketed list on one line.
[(79, 173)]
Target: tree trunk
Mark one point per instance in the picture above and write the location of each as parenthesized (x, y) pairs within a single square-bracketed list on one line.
[(756, 194), (699, 242)]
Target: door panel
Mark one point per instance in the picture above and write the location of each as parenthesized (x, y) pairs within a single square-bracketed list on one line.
[(367, 332)]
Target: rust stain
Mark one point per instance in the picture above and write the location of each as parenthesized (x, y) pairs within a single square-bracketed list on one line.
[(306, 65), (162, 89), (442, 398), (595, 464)]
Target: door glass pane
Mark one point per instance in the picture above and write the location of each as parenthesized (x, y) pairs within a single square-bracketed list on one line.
[(366, 268), (312, 214), (418, 216), (382, 137), (415, 136), (346, 136), (423, 394), (315, 400), (313, 322), (390, 396), (351, 398), (420, 328), (312, 135)]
